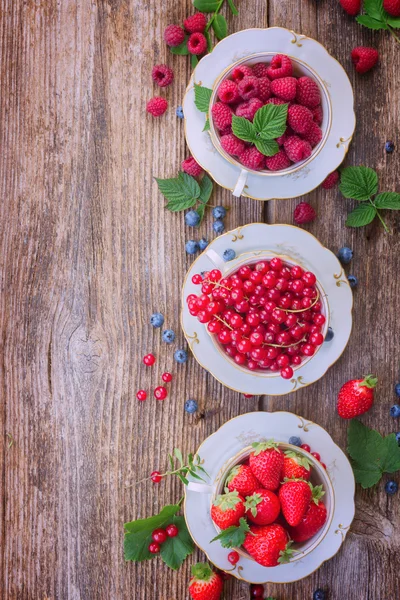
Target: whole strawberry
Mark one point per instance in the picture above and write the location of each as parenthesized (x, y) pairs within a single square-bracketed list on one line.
[(295, 496), (392, 7), (296, 466), (205, 584), (312, 521), (269, 545), (242, 480), (262, 507), (227, 509), (356, 397), (352, 7), (266, 462), (364, 58), (304, 213)]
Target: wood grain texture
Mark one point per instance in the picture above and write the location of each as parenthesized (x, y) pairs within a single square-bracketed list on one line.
[(87, 253)]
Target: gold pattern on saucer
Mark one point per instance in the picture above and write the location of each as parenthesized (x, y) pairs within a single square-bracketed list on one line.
[(238, 570), (237, 235), (342, 530), (304, 425), (297, 39), (340, 281), (344, 142), (194, 339), (298, 382)]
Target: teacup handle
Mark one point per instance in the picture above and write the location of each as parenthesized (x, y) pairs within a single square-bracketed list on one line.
[(241, 182), (199, 487), (215, 258)]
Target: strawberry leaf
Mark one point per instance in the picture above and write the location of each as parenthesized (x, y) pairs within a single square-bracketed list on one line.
[(234, 536), (359, 183), (360, 216)]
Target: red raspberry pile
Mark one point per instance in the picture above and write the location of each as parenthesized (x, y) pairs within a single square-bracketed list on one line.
[(267, 316), (194, 27), (250, 88)]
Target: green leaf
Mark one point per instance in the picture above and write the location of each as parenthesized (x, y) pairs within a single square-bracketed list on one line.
[(207, 125), (220, 26), (233, 8), (206, 6), (173, 189), (206, 188), (200, 211), (189, 185), (182, 49), (270, 121), (175, 549), (362, 215), (243, 129), (374, 8), (370, 22), (234, 536), (393, 21), (171, 462), (177, 205), (388, 200), (209, 42), (359, 183), (138, 533), (202, 97), (267, 147), (194, 61), (178, 455), (183, 479)]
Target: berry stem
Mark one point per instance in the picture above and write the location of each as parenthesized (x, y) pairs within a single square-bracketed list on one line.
[(214, 15), (303, 309), (386, 228), (394, 35), (264, 343)]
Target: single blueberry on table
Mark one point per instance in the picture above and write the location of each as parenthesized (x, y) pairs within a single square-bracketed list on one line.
[(203, 243), (295, 440), (179, 112), (181, 356), (192, 218), (218, 226), (330, 334), (395, 411), (345, 255), (157, 319), (192, 247), (391, 488), (397, 389), (168, 336), (229, 254), (353, 281), (219, 212), (319, 595), (389, 147), (191, 406), (398, 438)]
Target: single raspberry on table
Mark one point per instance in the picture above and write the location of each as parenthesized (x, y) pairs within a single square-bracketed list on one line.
[(228, 92), (364, 58), (331, 181), (162, 75), (318, 115), (352, 7), (281, 66), (157, 106), (299, 118), (222, 115), (252, 159), (240, 72), (197, 43), (313, 135), (260, 70), (196, 23), (191, 167), (249, 87), (304, 213), (232, 145), (278, 162), (174, 35), (297, 149), (248, 109), (284, 88), (392, 7), (264, 86), (308, 93), (275, 101)]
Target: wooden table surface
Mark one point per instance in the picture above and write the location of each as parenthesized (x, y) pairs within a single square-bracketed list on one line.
[(88, 253)]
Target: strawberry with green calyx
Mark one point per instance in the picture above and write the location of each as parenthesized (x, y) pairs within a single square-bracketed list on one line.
[(242, 480), (295, 496), (227, 509), (356, 397), (296, 466), (313, 520), (205, 584), (262, 507), (266, 463), (269, 545), (233, 536)]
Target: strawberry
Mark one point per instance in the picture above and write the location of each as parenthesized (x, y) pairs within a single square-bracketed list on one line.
[(295, 496), (352, 7), (311, 523), (268, 545), (262, 507), (205, 583), (392, 7), (227, 509), (266, 462), (296, 466), (356, 397), (242, 480), (364, 58)]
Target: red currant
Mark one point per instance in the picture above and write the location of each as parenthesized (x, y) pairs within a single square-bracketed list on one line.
[(278, 315), (316, 339), (258, 354), (283, 338), (204, 316), (291, 320), (224, 336), (298, 286), (274, 295), (296, 360), (244, 272), (308, 349), (159, 536), (248, 395), (309, 278), (154, 548), (214, 307), (255, 277), (323, 465), (237, 295), (257, 591), (269, 280), (306, 447), (207, 288), (273, 328), (197, 279), (230, 350), (149, 360), (285, 302), (285, 273), (156, 476), (319, 319), (253, 319), (276, 264), (306, 302), (172, 530), (316, 455), (262, 266), (317, 307), (244, 346), (256, 338), (191, 297), (248, 286), (281, 284), (236, 321), (252, 365), (160, 392), (283, 361), (141, 395), (240, 359), (242, 306), (245, 329), (287, 373), (214, 326), (296, 272), (272, 353), (215, 275), (296, 304), (233, 557), (167, 377)]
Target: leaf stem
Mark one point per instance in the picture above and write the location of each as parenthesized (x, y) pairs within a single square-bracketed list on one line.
[(214, 15), (396, 37), (386, 228)]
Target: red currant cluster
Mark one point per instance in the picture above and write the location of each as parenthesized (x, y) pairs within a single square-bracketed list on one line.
[(316, 455), (160, 392), (159, 536), (266, 315)]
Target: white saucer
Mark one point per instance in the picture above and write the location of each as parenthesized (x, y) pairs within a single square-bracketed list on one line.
[(235, 435)]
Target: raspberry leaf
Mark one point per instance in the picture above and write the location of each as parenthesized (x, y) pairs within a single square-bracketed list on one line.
[(362, 215), (206, 188), (202, 97), (176, 192), (267, 147), (359, 183), (189, 185), (270, 121), (200, 211), (374, 8), (175, 549), (206, 6), (393, 22), (234, 536), (371, 23), (194, 61), (233, 8), (243, 129), (388, 201), (207, 125), (182, 49), (209, 42), (220, 26)]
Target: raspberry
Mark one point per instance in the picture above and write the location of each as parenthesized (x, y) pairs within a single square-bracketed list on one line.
[(260, 70), (162, 75), (352, 7), (264, 85), (317, 115), (278, 162), (191, 167), (232, 145), (281, 140), (304, 213), (284, 88), (297, 149), (308, 93), (364, 58), (240, 72), (249, 109), (226, 130), (228, 92), (174, 35), (275, 101), (313, 135), (330, 181), (252, 159), (392, 7), (300, 118), (222, 115), (281, 66), (248, 87), (157, 106), (197, 43), (196, 23)]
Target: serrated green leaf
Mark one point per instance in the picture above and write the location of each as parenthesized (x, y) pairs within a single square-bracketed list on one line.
[(393, 21), (209, 42), (371, 23), (138, 533), (175, 549), (207, 125), (178, 455), (173, 189), (233, 8), (359, 183), (206, 6), (267, 147), (206, 188), (171, 462), (374, 8), (388, 201), (194, 61), (189, 185), (182, 49), (183, 479), (220, 26), (234, 536), (177, 205), (202, 97), (270, 121), (243, 129), (200, 211), (360, 216)]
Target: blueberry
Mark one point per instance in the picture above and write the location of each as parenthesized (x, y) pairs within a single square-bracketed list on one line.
[(398, 438), (192, 218), (391, 488), (181, 356), (397, 389), (345, 255), (168, 336), (330, 334), (229, 254), (395, 411), (389, 147), (295, 440), (157, 320), (353, 281), (203, 243), (218, 226), (219, 212), (192, 247), (191, 406), (179, 112), (319, 595)]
